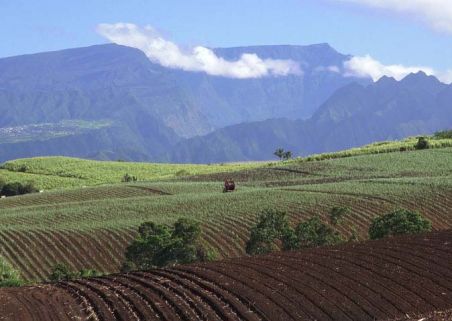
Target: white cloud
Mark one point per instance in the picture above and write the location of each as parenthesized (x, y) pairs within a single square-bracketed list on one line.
[(368, 67), (436, 13), (169, 54), (446, 76)]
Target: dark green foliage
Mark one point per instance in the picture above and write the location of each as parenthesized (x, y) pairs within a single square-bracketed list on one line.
[(88, 273), (160, 245), (273, 230), (287, 155), (62, 272), (398, 222), (282, 154), (337, 214), (128, 178), (272, 225), (422, 143), (11, 189), (279, 153), (9, 277), (182, 172), (16, 188), (314, 232), (445, 134)]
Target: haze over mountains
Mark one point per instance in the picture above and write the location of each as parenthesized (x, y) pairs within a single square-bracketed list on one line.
[(112, 102)]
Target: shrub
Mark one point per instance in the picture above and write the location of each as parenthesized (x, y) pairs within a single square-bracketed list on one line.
[(182, 172), (9, 277), (88, 273), (62, 272), (160, 245), (398, 222), (272, 226), (337, 214), (445, 134), (27, 189), (128, 178), (314, 232), (422, 143), (16, 188)]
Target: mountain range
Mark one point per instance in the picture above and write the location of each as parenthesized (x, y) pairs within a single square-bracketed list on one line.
[(112, 102), (353, 116)]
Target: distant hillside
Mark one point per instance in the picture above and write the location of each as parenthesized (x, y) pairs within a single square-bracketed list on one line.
[(150, 107), (63, 172), (354, 115)]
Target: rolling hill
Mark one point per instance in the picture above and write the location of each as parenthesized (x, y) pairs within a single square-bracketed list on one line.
[(90, 227)]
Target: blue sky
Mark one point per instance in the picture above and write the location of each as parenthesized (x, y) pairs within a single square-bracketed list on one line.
[(391, 34)]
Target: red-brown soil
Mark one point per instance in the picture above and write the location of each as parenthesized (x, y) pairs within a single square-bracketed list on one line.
[(393, 278)]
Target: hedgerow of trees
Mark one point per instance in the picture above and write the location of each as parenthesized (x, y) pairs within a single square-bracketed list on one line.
[(159, 245), (282, 154), (399, 222), (16, 188), (62, 272), (273, 231)]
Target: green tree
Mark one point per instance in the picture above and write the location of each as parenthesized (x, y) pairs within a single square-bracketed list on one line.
[(422, 143), (287, 155), (159, 245), (272, 226), (11, 189), (314, 232), (279, 153), (398, 222), (9, 276), (62, 272), (16, 188)]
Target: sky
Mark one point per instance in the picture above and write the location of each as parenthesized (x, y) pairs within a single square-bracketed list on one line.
[(388, 36)]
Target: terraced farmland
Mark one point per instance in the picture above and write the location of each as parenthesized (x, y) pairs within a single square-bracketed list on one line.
[(375, 280), (90, 227)]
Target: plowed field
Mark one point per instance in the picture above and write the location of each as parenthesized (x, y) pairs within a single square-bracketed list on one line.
[(375, 280)]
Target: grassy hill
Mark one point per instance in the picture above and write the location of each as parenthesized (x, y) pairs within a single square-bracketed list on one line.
[(90, 227), (49, 173), (65, 172)]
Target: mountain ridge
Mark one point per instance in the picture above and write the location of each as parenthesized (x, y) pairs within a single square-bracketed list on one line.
[(354, 115)]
